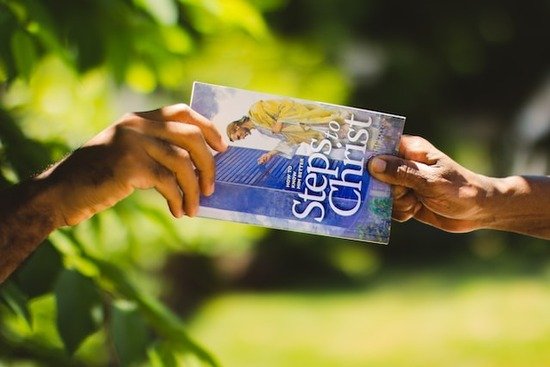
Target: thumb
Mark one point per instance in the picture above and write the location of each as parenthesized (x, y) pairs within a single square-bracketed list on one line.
[(399, 171)]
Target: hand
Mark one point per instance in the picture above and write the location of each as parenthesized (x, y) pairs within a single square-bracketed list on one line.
[(264, 158), (432, 188), (166, 149)]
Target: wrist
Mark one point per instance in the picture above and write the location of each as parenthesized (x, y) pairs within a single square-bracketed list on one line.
[(499, 208), (66, 202), (47, 198)]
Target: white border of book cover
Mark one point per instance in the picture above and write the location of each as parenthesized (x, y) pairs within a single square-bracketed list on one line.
[(298, 165)]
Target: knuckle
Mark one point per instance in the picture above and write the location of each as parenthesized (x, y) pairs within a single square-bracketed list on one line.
[(128, 116), (128, 121), (403, 171), (415, 139), (400, 216), (193, 133), (399, 191), (183, 155), (410, 174), (122, 127), (210, 125), (174, 152), (181, 109), (406, 203), (417, 142)]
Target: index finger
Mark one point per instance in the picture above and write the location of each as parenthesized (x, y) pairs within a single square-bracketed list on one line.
[(418, 149), (401, 172), (183, 113)]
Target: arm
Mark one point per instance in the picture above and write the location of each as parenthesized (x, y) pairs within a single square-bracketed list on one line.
[(266, 157), (158, 149), (27, 216), (277, 128), (432, 188)]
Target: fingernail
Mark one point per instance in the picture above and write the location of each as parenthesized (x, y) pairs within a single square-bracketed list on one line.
[(211, 189), (177, 213), (378, 165)]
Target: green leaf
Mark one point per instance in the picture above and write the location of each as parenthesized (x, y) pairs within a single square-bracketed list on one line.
[(78, 308), (25, 155), (240, 13), (16, 301), (207, 16), (268, 5), (129, 333), (161, 355), (38, 274), (42, 26), (163, 11), (24, 53), (162, 320), (126, 210), (141, 78)]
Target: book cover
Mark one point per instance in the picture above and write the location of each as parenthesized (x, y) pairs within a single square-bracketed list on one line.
[(298, 165)]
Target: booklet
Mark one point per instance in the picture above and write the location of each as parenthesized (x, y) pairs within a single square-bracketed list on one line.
[(298, 165)]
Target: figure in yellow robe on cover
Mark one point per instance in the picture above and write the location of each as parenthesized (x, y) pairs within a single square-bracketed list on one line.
[(291, 122)]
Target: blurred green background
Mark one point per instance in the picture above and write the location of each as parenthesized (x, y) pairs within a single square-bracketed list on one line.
[(133, 286)]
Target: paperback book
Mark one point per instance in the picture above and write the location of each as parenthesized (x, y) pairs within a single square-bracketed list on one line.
[(298, 165)]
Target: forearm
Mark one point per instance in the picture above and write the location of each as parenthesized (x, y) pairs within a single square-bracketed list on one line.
[(520, 204), (27, 216)]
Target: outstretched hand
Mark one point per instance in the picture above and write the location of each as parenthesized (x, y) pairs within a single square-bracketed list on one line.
[(266, 157), (431, 187), (166, 149)]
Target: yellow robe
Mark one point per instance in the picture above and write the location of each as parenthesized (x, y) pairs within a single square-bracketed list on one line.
[(299, 120)]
